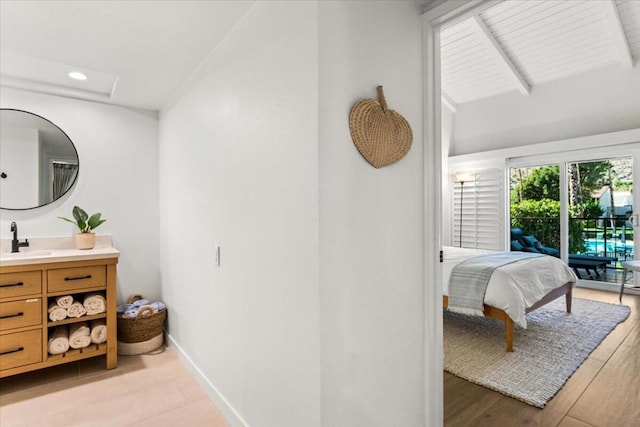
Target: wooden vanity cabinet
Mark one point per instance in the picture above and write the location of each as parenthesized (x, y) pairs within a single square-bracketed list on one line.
[(25, 294)]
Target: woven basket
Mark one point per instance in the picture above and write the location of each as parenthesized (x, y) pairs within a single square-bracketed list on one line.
[(141, 328), (381, 135), (131, 349)]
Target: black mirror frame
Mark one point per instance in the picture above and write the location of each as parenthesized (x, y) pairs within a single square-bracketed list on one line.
[(74, 149)]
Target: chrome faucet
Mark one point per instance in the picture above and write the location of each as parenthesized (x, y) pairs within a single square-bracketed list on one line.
[(15, 243)]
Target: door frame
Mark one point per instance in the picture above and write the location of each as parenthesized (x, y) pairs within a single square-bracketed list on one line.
[(433, 20)]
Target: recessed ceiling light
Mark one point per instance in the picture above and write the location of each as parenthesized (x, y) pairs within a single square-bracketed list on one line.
[(77, 75)]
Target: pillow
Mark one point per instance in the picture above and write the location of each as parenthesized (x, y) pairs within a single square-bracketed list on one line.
[(528, 241), (531, 249), (516, 233), (552, 252), (516, 246)]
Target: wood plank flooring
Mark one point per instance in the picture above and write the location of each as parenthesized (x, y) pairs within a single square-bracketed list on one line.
[(603, 392), (157, 390), (146, 390)]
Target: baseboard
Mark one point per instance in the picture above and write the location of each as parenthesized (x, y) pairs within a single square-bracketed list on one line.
[(223, 405)]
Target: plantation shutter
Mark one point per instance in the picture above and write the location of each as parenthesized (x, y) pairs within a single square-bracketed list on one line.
[(479, 203)]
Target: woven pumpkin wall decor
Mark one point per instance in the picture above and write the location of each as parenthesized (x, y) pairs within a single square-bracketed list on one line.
[(381, 135)]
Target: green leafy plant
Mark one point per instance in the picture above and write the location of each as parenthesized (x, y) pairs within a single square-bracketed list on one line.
[(84, 222)]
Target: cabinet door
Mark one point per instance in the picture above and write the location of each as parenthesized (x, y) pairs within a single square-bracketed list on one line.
[(19, 284), (70, 279)]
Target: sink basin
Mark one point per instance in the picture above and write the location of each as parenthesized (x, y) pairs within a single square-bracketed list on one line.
[(25, 254)]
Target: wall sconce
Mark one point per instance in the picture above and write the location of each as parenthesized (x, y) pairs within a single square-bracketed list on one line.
[(461, 178)]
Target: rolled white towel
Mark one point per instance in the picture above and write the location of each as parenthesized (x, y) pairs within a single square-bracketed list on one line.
[(94, 304), (79, 335), (59, 341), (98, 331), (76, 310), (56, 312), (64, 301)]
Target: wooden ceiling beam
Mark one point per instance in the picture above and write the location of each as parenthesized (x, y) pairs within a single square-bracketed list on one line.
[(450, 103), (617, 31), (487, 37)]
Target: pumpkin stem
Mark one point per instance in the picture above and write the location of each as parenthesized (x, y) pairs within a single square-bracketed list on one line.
[(381, 100)]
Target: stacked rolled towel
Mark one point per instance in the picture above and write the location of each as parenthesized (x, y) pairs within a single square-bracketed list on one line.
[(76, 310), (98, 331), (94, 304), (56, 312), (59, 341), (64, 301), (130, 311), (79, 335)]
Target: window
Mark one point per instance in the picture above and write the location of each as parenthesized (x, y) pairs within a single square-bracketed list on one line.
[(478, 209)]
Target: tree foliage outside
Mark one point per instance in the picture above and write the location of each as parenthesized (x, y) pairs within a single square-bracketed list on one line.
[(535, 200), (594, 175), (539, 183), (544, 182)]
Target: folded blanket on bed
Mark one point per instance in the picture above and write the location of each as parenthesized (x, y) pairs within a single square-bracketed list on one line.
[(56, 312), (64, 301), (94, 303), (79, 335), (76, 310), (469, 279), (59, 341), (98, 331)]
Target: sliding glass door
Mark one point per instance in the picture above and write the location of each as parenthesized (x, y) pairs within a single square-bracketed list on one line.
[(535, 209), (601, 235), (579, 208)]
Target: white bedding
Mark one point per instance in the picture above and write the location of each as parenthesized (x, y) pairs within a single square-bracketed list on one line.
[(513, 287)]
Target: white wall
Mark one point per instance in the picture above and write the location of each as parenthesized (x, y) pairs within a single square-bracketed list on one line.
[(118, 155), (595, 102), (239, 169), (19, 159), (371, 229), (315, 316)]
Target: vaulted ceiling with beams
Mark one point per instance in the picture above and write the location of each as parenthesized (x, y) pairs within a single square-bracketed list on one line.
[(519, 44)]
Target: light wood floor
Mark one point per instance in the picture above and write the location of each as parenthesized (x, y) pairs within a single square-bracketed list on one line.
[(157, 390), (603, 392), (147, 390)]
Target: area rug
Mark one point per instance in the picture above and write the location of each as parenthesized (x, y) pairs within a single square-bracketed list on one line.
[(545, 354)]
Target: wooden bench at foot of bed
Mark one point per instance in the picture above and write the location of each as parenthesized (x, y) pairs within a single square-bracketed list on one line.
[(498, 314)]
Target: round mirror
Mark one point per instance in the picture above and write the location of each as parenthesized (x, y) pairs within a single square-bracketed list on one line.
[(38, 161)]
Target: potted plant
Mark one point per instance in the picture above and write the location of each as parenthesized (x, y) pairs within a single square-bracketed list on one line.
[(86, 238)]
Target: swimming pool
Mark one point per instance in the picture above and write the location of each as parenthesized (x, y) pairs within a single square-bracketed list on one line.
[(614, 247)]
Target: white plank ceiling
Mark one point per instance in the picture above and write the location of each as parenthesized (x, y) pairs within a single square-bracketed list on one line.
[(519, 44)]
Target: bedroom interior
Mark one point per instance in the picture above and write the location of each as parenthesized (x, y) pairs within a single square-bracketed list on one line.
[(549, 115), (317, 314)]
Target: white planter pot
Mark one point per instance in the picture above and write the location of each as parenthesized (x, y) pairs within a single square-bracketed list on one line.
[(85, 240)]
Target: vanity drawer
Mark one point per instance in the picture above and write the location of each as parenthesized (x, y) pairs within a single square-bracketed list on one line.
[(19, 284), (69, 279), (18, 314), (22, 348)]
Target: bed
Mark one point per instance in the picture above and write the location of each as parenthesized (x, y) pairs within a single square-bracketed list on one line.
[(515, 289)]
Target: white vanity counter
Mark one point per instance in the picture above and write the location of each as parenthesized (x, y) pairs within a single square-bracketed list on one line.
[(44, 250)]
